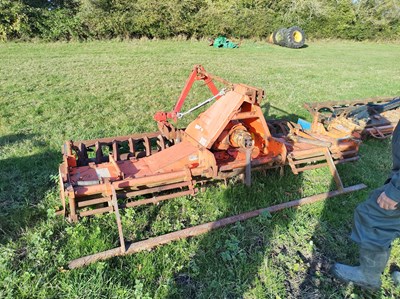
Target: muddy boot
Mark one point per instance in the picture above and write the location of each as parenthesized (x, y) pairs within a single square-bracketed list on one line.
[(368, 274), (396, 278)]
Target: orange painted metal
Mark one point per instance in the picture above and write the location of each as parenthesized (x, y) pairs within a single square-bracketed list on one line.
[(230, 138), (198, 73), (213, 146)]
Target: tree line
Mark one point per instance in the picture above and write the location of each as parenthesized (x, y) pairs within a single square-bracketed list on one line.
[(106, 19)]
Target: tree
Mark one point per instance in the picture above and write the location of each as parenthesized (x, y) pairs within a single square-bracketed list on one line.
[(12, 19)]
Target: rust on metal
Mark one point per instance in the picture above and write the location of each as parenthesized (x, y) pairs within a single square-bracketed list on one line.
[(376, 117), (204, 228), (230, 138)]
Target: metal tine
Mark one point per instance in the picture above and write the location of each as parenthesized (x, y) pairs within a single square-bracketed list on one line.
[(131, 144), (115, 150), (161, 142), (147, 146), (99, 152), (82, 154)]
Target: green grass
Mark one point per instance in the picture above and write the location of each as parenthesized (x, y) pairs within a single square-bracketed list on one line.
[(58, 91)]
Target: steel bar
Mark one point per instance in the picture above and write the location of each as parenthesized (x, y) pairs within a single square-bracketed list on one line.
[(95, 211), (308, 153), (247, 177), (132, 182), (120, 138), (389, 128), (118, 219), (153, 190), (219, 94), (313, 107), (157, 199), (204, 228), (352, 159), (301, 169), (91, 202), (333, 170), (311, 160)]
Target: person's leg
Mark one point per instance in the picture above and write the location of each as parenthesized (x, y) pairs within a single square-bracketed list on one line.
[(374, 230), (396, 277), (368, 273)]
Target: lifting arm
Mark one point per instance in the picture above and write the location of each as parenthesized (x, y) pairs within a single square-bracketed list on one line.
[(198, 73)]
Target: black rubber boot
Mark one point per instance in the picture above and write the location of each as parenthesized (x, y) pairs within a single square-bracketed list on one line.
[(396, 277), (368, 273)]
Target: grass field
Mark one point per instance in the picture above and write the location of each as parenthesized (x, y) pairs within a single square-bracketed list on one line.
[(53, 92)]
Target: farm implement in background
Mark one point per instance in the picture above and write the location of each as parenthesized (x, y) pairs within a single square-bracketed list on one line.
[(231, 138), (376, 117)]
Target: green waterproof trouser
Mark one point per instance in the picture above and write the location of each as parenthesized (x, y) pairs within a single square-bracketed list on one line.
[(374, 227)]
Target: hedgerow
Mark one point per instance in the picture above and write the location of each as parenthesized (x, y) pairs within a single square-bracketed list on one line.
[(105, 19)]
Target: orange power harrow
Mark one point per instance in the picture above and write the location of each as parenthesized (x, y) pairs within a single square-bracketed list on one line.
[(230, 138)]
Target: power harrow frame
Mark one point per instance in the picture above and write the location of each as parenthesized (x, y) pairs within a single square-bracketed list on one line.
[(230, 138)]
